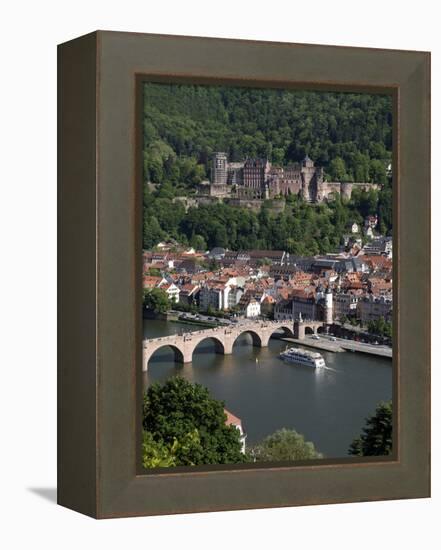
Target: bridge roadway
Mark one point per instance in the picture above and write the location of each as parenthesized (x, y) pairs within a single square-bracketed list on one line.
[(223, 337)]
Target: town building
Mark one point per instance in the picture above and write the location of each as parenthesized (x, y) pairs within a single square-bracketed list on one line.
[(172, 291), (234, 296), (371, 222), (345, 304), (267, 306), (255, 257), (371, 308), (151, 281), (189, 294), (283, 310), (252, 309), (354, 227), (306, 304), (379, 245), (213, 296), (249, 305)]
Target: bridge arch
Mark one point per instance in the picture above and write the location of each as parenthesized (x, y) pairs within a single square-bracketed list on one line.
[(309, 330), (178, 355), (256, 338), (219, 346), (287, 331)]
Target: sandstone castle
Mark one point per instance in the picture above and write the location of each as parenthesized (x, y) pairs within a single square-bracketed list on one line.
[(258, 179)]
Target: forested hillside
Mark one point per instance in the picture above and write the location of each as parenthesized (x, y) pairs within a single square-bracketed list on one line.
[(350, 135), (184, 124)]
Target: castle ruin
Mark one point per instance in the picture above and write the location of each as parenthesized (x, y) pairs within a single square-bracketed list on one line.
[(258, 179)]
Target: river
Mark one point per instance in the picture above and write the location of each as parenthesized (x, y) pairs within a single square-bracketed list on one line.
[(328, 406)]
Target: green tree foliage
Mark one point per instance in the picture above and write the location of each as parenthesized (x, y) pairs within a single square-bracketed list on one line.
[(380, 327), (337, 170), (365, 202), (152, 231), (198, 242), (178, 410), (385, 208), (154, 272), (156, 300), (284, 444), (155, 454), (301, 229), (376, 438)]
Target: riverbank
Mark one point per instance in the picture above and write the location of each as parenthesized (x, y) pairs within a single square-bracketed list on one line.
[(340, 346), (153, 316)]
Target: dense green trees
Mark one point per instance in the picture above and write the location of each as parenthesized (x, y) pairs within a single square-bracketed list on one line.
[(284, 444), (156, 300), (380, 327), (301, 229), (376, 438), (157, 454), (184, 425)]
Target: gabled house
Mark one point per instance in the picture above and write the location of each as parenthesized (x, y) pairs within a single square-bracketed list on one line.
[(172, 291)]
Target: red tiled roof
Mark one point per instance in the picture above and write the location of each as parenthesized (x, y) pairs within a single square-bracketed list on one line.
[(378, 262), (232, 420), (150, 281)]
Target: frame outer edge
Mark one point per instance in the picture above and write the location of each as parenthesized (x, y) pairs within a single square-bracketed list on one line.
[(77, 381), (119, 492)]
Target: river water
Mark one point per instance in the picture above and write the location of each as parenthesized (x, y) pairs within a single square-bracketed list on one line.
[(328, 406)]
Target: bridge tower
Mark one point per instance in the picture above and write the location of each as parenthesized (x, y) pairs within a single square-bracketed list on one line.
[(328, 307)]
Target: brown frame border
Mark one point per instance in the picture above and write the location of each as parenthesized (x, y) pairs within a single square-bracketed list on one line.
[(99, 213)]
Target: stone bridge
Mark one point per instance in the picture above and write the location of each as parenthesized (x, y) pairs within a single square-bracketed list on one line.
[(301, 328), (224, 337)]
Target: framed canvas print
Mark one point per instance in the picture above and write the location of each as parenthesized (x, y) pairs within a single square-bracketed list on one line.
[(244, 260)]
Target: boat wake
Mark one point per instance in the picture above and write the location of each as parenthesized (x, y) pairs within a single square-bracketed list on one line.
[(329, 368)]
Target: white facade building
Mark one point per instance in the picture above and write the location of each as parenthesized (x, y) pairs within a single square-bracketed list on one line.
[(252, 309), (172, 291), (237, 423)]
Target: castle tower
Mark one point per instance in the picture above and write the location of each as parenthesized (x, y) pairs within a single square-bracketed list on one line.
[(309, 185), (320, 185), (307, 162), (219, 169)]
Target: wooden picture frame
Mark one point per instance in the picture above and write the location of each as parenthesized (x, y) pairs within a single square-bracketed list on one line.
[(99, 363)]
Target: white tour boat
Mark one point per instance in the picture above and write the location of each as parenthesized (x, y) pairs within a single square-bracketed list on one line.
[(303, 357)]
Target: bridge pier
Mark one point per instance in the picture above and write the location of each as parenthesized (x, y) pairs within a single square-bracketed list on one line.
[(264, 340), (187, 356), (300, 328), (228, 347)]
